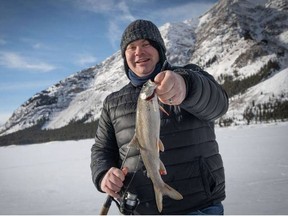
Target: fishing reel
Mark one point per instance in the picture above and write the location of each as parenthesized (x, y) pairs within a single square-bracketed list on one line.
[(128, 203)]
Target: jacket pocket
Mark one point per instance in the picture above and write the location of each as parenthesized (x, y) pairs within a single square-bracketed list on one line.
[(207, 177)]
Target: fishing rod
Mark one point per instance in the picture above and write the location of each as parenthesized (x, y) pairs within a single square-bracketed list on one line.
[(106, 206)]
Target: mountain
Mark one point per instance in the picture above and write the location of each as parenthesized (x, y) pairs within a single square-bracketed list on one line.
[(242, 43)]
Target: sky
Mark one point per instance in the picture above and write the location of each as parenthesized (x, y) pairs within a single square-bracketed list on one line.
[(45, 41)]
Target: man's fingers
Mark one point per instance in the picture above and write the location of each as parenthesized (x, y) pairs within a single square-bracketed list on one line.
[(112, 193), (113, 181), (171, 89), (118, 174)]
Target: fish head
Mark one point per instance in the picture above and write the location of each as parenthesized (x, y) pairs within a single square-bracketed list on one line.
[(148, 90)]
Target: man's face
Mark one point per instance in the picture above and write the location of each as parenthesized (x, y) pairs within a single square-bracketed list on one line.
[(141, 57)]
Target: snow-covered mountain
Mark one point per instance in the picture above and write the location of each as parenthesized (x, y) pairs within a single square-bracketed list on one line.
[(245, 43), (237, 41)]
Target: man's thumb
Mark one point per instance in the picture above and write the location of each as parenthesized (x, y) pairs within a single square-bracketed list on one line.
[(158, 79), (125, 170)]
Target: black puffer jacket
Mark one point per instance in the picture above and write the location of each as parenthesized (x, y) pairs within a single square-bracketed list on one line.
[(191, 155)]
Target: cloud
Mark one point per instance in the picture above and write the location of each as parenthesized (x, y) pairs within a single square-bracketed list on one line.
[(36, 44), (117, 11), (41, 46), (2, 41), (85, 60), (182, 12), (16, 86), (121, 12), (114, 33), (4, 116), (126, 14), (104, 6), (16, 61)]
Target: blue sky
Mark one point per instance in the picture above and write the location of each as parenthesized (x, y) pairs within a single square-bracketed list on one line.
[(44, 41)]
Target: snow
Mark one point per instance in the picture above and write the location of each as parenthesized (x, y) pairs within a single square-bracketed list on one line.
[(256, 165), (90, 100), (284, 37), (55, 177)]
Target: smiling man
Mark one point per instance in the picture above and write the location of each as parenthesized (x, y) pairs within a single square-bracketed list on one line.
[(191, 157)]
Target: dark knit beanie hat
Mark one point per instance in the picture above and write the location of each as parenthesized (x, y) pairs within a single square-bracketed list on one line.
[(143, 29)]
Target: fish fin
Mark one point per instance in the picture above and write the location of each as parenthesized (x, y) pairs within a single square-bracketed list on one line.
[(146, 173), (163, 110), (134, 142), (162, 169), (160, 145), (159, 198), (166, 190), (171, 192)]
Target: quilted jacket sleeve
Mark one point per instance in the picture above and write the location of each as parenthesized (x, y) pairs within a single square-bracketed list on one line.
[(104, 152), (205, 98)]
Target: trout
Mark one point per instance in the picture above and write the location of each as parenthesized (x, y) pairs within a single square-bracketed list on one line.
[(147, 140)]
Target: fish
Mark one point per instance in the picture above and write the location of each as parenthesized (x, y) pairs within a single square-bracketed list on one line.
[(147, 140)]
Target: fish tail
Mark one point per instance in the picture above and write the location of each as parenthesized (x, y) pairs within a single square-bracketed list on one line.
[(171, 192), (159, 198), (166, 190)]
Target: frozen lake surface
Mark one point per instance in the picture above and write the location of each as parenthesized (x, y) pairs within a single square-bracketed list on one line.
[(55, 178)]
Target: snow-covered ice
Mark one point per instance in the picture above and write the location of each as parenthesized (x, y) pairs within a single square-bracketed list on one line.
[(55, 178), (256, 167)]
